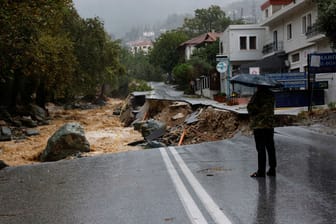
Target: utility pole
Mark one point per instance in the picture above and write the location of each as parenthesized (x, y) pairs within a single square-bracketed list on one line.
[(254, 14), (310, 92)]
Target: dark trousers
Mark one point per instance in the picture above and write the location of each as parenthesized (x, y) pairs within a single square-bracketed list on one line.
[(264, 140)]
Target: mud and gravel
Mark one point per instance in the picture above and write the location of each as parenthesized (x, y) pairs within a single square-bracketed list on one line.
[(104, 131)]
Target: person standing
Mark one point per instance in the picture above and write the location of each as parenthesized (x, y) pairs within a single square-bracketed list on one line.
[(261, 112)]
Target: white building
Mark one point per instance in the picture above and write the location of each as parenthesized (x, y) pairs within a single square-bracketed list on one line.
[(280, 43), (191, 45), (138, 46), (292, 30), (241, 44)]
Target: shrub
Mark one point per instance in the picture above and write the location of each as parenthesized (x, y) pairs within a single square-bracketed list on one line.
[(138, 85), (182, 74), (332, 105)]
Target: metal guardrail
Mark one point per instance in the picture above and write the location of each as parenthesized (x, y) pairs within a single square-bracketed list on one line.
[(273, 47), (312, 31)]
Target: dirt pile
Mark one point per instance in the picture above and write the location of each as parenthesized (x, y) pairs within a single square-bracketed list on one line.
[(319, 120), (326, 117), (170, 112), (222, 124), (208, 124)]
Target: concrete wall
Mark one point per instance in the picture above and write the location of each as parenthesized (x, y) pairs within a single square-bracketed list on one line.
[(230, 41), (189, 51), (207, 93), (330, 93)]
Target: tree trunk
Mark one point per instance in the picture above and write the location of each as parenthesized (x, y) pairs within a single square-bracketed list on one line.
[(41, 95)]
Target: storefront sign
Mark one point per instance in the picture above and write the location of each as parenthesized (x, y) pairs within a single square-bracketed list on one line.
[(322, 62)]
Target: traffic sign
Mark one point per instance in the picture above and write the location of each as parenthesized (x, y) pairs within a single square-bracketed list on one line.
[(254, 70), (221, 67), (221, 58)]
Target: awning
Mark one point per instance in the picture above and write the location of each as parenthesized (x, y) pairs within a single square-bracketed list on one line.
[(272, 64)]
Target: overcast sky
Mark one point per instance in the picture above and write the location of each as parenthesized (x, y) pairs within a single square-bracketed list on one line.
[(121, 15)]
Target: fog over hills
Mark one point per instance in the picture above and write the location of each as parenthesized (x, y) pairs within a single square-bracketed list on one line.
[(120, 16)]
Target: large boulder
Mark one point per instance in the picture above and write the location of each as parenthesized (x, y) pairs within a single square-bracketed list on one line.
[(2, 165), (28, 121), (126, 113), (38, 113), (69, 140), (150, 129), (5, 133)]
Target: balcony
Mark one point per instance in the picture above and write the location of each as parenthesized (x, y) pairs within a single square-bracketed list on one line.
[(312, 31), (273, 47)]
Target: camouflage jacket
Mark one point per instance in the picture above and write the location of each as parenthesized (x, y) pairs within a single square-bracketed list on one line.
[(261, 109)]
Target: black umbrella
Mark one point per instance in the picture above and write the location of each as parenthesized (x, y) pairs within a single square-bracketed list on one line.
[(255, 80)]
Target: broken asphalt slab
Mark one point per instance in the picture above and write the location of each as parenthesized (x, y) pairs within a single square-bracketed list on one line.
[(162, 91)]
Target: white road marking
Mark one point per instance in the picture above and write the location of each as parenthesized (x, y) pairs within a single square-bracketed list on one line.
[(193, 212), (218, 216)]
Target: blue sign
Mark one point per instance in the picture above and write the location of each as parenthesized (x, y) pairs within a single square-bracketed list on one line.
[(221, 67), (320, 85), (295, 80), (322, 62)]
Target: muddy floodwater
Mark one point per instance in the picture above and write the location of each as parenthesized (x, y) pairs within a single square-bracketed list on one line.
[(103, 130)]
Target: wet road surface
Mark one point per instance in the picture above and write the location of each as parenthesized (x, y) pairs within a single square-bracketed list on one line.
[(204, 183)]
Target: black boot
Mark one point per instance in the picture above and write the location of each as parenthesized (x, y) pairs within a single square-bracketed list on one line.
[(271, 172)]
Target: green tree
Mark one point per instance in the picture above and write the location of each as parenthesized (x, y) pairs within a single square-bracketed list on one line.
[(97, 54), (206, 20), (139, 67), (327, 19), (26, 27), (165, 53), (114, 69), (207, 53), (55, 74), (48, 51), (200, 66), (183, 74)]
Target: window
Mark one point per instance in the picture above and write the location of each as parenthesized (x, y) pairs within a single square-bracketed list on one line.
[(266, 13), (289, 32), (248, 42), (309, 20), (243, 45), (253, 42), (304, 24), (296, 57), (275, 40)]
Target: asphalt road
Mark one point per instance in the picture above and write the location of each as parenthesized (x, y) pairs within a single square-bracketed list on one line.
[(204, 183)]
